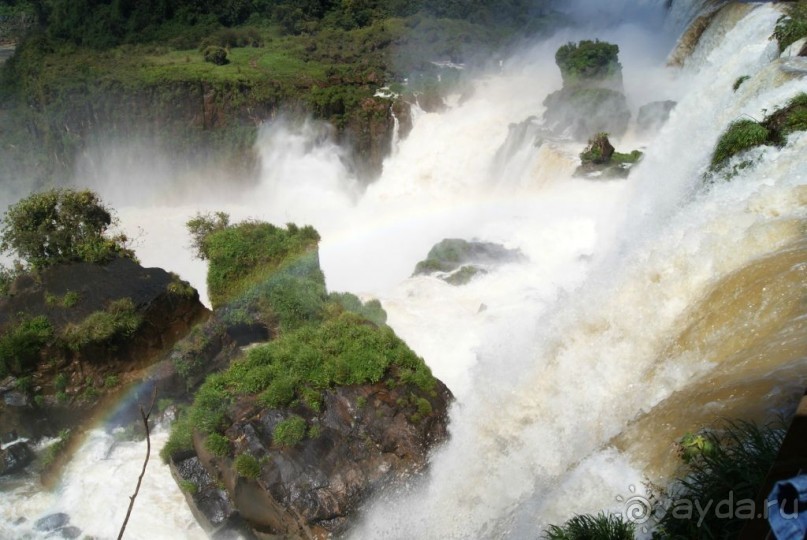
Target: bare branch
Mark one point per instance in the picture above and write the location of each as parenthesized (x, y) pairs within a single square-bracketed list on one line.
[(145, 416)]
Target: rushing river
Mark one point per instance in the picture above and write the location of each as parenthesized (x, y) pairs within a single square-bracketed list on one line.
[(645, 308)]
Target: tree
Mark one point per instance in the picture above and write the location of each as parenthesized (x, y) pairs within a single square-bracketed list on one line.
[(59, 226)]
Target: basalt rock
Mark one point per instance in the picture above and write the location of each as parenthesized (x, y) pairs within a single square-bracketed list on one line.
[(88, 351), (15, 458), (458, 261), (363, 439)]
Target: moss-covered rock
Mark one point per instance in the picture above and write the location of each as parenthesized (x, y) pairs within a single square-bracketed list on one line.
[(590, 63), (63, 357), (458, 261), (773, 130), (600, 160)]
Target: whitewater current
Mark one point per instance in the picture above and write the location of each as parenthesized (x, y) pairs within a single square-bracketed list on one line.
[(644, 308)]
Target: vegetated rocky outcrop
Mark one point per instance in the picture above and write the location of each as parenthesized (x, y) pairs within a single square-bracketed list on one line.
[(601, 160), (326, 406), (457, 261), (592, 98), (71, 334), (744, 135)]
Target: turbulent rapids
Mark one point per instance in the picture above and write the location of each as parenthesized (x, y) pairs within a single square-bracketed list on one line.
[(644, 308)]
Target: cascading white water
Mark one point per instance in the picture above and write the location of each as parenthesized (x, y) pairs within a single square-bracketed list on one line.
[(550, 359)]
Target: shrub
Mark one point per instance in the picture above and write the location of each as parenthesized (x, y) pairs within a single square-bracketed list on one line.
[(732, 462), (598, 151), (740, 136), (120, 320), (181, 438), (245, 255), (587, 527), (371, 310), (247, 466), (739, 82), (61, 225), (290, 431), (217, 444), (20, 346), (793, 26), (60, 381), (111, 381), (215, 55), (588, 60)]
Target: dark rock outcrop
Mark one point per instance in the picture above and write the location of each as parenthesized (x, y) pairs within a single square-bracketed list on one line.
[(15, 458), (581, 112), (52, 522), (601, 161), (85, 355), (367, 437), (457, 261)]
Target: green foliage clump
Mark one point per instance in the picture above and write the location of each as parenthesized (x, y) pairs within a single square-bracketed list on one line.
[(181, 288), (247, 466), (632, 157), (290, 431), (773, 130), (111, 381), (588, 61), (21, 345), (792, 26), (342, 351), (217, 444), (120, 320), (60, 381), (67, 301), (739, 82), (464, 275), (740, 135), (242, 256), (370, 310), (719, 465), (181, 438), (56, 449), (58, 226), (233, 37), (188, 487), (588, 527), (215, 55)]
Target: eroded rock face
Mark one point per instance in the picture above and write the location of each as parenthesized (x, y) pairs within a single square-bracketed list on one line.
[(67, 377), (362, 439), (580, 112)]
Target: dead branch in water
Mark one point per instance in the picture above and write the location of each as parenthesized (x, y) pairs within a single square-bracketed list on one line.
[(145, 416)]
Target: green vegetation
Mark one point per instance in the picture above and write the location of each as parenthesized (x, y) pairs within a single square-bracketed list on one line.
[(181, 288), (587, 527), (732, 463), (55, 450), (119, 320), (67, 301), (111, 381), (745, 134), (464, 275), (188, 487), (181, 438), (21, 345), (370, 310), (290, 431), (633, 157), (793, 26), (588, 61), (739, 82), (60, 381), (740, 136), (245, 255), (218, 445), (247, 466), (215, 55), (58, 226), (600, 156)]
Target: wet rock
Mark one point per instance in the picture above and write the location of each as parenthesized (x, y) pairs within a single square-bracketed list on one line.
[(579, 112), (66, 532), (457, 261), (15, 458), (16, 399), (52, 522)]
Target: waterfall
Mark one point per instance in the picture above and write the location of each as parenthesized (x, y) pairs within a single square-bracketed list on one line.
[(576, 369)]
